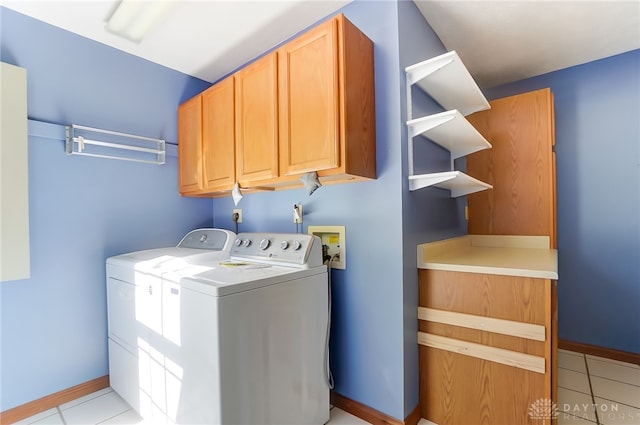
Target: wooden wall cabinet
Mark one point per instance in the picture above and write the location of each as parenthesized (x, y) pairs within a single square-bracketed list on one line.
[(218, 136), (190, 146), (308, 106), (206, 134), (256, 98), (520, 167), (327, 103)]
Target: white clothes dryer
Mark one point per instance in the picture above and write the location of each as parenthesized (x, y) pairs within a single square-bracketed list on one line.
[(142, 306)]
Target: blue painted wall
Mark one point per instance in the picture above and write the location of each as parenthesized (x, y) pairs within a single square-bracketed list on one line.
[(374, 352), (82, 210), (367, 338), (429, 214), (598, 181)]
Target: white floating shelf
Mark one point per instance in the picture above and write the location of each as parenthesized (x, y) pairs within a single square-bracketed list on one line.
[(447, 80), (457, 182), (450, 130)]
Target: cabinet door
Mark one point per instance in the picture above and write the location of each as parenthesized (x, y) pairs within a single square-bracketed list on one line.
[(520, 166), (309, 99), (257, 121), (218, 132), (190, 144)]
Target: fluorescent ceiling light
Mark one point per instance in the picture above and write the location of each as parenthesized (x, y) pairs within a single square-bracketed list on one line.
[(133, 19)]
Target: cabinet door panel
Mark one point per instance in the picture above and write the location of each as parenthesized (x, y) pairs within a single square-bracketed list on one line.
[(190, 144), (257, 121), (309, 112), (520, 167), (218, 128)]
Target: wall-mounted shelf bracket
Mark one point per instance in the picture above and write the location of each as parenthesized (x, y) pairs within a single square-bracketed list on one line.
[(450, 130), (457, 182), (448, 82)]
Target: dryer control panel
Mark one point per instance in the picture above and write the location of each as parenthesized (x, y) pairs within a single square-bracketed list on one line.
[(289, 249), (210, 239)]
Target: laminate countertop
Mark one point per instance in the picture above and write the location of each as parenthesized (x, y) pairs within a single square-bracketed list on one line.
[(526, 256)]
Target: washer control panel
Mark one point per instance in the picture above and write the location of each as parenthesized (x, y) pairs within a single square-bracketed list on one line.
[(295, 249)]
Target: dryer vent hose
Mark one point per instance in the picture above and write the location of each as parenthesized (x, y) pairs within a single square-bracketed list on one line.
[(328, 261)]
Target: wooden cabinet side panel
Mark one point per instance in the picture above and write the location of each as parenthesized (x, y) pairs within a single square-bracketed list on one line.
[(218, 129), (514, 298), (190, 145), (457, 389), (358, 107), (520, 167), (554, 197), (554, 341), (257, 121), (308, 86)]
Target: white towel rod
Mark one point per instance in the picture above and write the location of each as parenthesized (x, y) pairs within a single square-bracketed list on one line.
[(117, 145)]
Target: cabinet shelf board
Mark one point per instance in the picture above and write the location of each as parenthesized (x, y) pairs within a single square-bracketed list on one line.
[(447, 80), (450, 130), (457, 182)]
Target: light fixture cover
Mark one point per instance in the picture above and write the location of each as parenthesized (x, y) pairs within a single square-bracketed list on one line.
[(133, 19)]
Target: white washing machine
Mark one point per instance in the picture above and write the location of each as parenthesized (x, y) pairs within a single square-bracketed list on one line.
[(241, 341), (142, 311)]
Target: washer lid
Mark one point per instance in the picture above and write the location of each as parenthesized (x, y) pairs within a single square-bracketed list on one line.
[(222, 279)]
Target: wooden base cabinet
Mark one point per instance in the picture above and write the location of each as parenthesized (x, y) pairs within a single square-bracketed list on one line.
[(487, 348)]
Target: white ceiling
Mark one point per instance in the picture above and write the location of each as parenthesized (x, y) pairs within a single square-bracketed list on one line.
[(499, 41), (503, 41)]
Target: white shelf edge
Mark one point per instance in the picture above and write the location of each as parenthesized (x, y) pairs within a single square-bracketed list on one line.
[(451, 130), (457, 182), (447, 80)]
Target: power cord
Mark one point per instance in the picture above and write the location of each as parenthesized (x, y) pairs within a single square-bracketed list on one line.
[(328, 263), (236, 216)]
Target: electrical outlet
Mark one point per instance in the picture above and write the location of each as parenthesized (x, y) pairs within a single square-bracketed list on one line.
[(297, 213), (239, 212), (334, 242)]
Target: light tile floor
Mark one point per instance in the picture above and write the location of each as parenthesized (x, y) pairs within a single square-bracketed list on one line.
[(594, 390), (591, 390)]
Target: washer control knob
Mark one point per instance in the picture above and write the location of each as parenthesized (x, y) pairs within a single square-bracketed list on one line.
[(284, 245), (246, 242), (238, 242), (296, 245), (264, 244)]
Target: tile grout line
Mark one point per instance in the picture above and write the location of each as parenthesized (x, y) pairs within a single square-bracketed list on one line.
[(61, 415), (114, 416), (593, 399)]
